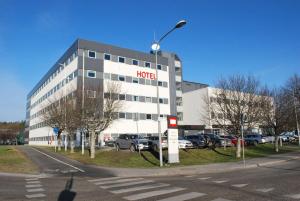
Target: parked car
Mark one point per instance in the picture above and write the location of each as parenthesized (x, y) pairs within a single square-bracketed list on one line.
[(215, 141), (225, 142), (184, 144), (132, 142), (197, 140), (254, 139), (154, 142), (268, 138), (234, 139)]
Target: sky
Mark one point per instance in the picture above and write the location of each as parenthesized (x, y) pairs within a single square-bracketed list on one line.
[(221, 38)]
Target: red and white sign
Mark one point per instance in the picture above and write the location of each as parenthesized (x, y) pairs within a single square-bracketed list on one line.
[(172, 122), (146, 75)]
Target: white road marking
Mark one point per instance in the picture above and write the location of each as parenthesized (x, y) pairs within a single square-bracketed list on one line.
[(294, 196), (221, 199), (35, 190), (239, 185), (264, 190), (31, 179), (182, 197), (33, 182), (220, 181), (138, 188), (189, 176), (126, 184), (33, 185), (104, 179), (58, 160), (204, 178), (153, 193), (39, 195), (118, 181)]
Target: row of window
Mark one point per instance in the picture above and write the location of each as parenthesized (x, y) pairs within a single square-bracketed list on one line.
[(42, 111), (145, 99), (136, 80), (44, 138), (60, 68), (119, 115), (56, 88), (146, 64)]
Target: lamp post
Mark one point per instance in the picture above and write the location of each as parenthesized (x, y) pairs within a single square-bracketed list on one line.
[(65, 94), (155, 47)]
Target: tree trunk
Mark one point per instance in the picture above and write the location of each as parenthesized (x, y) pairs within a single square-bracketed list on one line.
[(280, 142), (92, 147), (276, 143), (238, 148), (72, 143), (59, 143), (66, 142)]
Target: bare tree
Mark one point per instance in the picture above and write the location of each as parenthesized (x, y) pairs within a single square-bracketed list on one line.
[(98, 114), (235, 96)]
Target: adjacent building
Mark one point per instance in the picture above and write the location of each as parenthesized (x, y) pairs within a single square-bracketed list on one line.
[(91, 64)]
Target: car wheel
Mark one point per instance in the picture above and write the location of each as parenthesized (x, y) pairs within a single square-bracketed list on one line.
[(117, 147), (132, 149)]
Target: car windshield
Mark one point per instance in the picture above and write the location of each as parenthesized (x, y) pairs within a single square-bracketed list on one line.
[(136, 137)]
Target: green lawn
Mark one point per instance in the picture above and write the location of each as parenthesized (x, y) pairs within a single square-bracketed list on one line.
[(14, 161), (187, 157)]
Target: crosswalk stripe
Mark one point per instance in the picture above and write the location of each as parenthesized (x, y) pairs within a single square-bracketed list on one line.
[(33, 185), (221, 199), (220, 181), (265, 190), (239, 185), (182, 197), (294, 196), (33, 182), (126, 184), (138, 188), (204, 178), (35, 190), (31, 179), (153, 193), (104, 179), (39, 195), (118, 181)]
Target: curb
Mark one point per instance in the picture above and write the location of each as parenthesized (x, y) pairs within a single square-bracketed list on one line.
[(9, 174)]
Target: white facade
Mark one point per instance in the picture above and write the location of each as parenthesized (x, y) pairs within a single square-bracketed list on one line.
[(138, 74)]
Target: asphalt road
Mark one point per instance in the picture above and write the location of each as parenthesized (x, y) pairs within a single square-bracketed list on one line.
[(64, 182)]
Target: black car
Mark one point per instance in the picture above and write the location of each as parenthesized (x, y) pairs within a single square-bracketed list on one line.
[(197, 140)]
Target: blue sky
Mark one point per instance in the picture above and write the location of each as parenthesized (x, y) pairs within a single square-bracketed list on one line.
[(222, 37)]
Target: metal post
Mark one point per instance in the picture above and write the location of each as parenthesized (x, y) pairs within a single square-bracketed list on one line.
[(243, 142), (158, 112), (83, 74), (296, 115)]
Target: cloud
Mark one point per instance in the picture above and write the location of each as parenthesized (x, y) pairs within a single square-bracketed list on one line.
[(47, 21), (13, 97)]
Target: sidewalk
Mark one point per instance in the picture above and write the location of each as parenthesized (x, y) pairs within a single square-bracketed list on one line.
[(201, 169)]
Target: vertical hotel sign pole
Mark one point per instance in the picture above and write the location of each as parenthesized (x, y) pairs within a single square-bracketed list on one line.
[(173, 150)]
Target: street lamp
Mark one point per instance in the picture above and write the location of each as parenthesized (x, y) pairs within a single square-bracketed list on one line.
[(155, 47)]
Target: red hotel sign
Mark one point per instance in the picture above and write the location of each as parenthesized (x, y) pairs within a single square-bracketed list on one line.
[(146, 75), (172, 121)]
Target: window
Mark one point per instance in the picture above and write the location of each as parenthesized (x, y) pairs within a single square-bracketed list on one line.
[(107, 76), (121, 96), (160, 83), (147, 64), (158, 66), (91, 74), (91, 94), (135, 80), (106, 56), (135, 62), (148, 99), (92, 54), (122, 115), (121, 59), (135, 98), (161, 100), (121, 78), (148, 116)]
